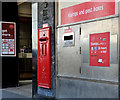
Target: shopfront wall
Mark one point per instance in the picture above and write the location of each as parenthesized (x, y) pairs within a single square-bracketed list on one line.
[(87, 50)]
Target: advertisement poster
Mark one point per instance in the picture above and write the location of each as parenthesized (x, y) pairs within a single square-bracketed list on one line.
[(99, 49), (8, 39)]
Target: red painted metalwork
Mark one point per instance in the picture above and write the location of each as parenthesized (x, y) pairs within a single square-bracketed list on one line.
[(44, 57), (99, 49)]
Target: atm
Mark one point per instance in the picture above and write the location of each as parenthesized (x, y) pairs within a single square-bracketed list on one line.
[(68, 39)]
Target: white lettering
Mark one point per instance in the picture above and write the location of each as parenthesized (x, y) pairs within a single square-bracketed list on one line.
[(73, 14), (87, 11), (81, 12), (103, 48), (98, 8), (94, 43), (3, 31), (104, 51)]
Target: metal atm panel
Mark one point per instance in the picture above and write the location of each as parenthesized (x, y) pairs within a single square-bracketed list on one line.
[(73, 61), (69, 55), (100, 72)]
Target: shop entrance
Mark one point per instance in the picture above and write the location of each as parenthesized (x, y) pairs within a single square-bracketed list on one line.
[(17, 70), (25, 42)]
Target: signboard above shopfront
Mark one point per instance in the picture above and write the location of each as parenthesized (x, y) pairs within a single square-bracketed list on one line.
[(87, 11)]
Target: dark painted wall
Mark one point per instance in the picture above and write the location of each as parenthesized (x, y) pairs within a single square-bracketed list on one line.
[(46, 14), (0, 56), (10, 64)]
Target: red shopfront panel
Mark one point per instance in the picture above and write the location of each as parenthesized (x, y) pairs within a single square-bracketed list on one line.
[(44, 57), (99, 49)]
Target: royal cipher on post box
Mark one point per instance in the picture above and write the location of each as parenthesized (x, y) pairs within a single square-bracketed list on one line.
[(44, 57)]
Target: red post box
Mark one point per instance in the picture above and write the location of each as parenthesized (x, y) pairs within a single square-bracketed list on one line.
[(44, 57)]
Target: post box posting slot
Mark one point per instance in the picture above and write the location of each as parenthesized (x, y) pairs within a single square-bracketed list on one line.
[(68, 39), (44, 57), (43, 44)]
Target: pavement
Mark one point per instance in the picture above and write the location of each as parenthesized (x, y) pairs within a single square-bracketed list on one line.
[(23, 91)]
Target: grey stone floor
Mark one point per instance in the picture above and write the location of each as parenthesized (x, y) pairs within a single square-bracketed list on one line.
[(23, 91)]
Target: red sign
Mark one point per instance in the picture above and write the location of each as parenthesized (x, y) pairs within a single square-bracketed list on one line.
[(99, 49), (68, 30), (45, 25), (44, 57), (8, 39), (87, 11)]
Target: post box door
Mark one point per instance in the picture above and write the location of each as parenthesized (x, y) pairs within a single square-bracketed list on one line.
[(44, 57)]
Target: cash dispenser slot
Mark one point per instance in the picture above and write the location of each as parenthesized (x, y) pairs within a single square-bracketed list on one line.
[(68, 39)]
